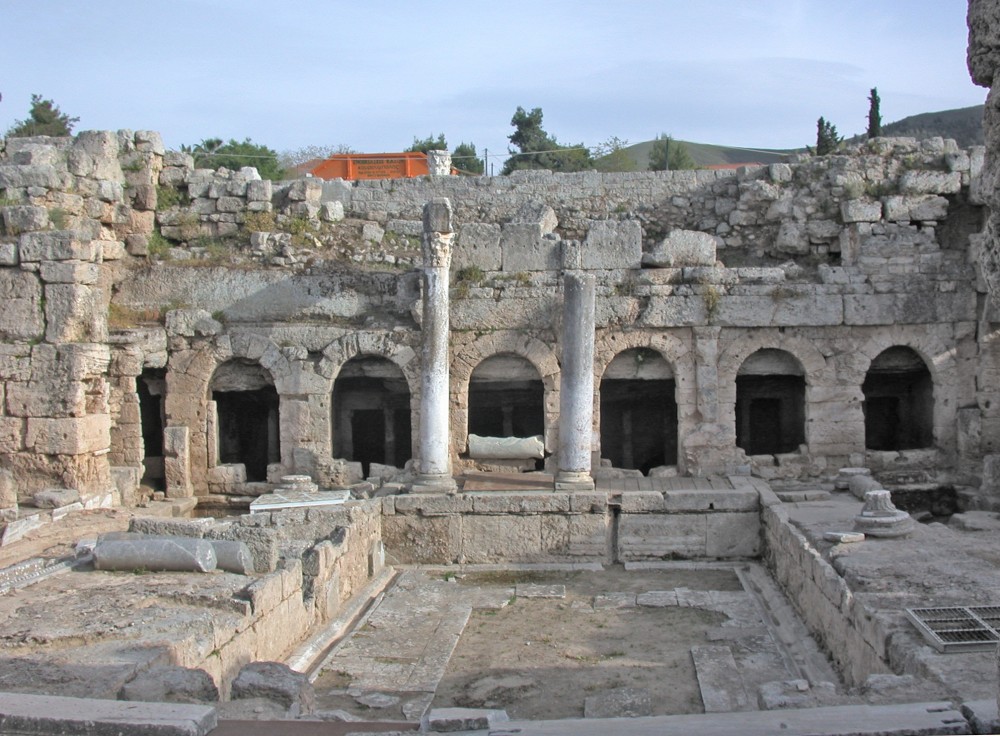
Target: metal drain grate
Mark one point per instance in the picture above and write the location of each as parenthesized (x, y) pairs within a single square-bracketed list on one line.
[(958, 628)]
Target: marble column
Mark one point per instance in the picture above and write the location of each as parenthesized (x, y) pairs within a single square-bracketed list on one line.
[(576, 384), (434, 466)]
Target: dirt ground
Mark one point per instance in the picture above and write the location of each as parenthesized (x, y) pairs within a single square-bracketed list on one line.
[(539, 658), (59, 538)]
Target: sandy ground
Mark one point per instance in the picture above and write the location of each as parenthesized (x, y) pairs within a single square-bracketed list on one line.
[(540, 658)]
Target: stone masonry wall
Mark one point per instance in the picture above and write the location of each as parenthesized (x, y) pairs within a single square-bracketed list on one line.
[(832, 259)]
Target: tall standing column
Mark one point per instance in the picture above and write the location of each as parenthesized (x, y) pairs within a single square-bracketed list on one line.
[(576, 384), (434, 468)]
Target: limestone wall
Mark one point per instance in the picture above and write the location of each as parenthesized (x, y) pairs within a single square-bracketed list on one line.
[(848, 632), (832, 259), (315, 562), (505, 528)]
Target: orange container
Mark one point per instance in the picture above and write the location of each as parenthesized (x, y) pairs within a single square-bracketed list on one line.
[(354, 166)]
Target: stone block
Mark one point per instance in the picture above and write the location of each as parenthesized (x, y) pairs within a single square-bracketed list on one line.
[(259, 190), (305, 190), (478, 245), (55, 498), (930, 182), (419, 540), (21, 316), (688, 501), (171, 684), (641, 502), (56, 245), (733, 535), (542, 502), (524, 249), (683, 248), (24, 218), (74, 313), (69, 436), (11, 437), (613, 244), (489, 539), (22, 713), (69, 272), (537, 213), (859, 210), (176, 462), (277, 682), (661, 536)]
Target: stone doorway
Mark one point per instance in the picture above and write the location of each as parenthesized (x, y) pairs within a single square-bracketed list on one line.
[(639, 411), (899, 402), (371, 413), (770, 403), (246, 408), (150, 387), (506, 398)]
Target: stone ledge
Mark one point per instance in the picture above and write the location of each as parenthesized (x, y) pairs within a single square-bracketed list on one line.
[(47, 714)]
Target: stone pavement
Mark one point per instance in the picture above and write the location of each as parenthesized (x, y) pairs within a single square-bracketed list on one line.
[(395, 659), (855, 720)]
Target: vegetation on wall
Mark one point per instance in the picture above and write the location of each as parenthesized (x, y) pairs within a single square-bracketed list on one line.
[(44, 118), (212, 153)]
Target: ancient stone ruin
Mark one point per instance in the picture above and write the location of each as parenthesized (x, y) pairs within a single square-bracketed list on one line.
[(742, 388), (205, 333)]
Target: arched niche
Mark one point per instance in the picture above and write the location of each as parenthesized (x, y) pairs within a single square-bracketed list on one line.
[(150, 387), (639, 411), (506, 398), (246, 416), (770, 403), (899, 401), (370, 409)]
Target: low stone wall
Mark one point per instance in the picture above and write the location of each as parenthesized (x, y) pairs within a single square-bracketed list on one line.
[(535, 527), (326, 557), (846, 629)]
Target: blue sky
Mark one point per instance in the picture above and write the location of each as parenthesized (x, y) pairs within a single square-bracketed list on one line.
[(372, 74)]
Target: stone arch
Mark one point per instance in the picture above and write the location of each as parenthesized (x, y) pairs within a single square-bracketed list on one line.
[(371, 413), (770, 403), (188, 402), (471, 355), (247, 427), (677, 355), (941, 361), (377, 345), (816, 373)]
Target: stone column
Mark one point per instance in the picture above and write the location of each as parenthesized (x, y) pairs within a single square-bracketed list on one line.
[(434, 467), (576, 384)]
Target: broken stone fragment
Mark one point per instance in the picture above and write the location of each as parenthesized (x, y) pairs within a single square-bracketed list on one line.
[(276, 682), (56, 498)]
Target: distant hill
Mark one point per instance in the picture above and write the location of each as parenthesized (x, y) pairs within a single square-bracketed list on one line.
[(965, 125), (707, 154)]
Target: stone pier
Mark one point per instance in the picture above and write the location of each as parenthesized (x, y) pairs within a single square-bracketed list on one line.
[(434, 468), (576, 388)]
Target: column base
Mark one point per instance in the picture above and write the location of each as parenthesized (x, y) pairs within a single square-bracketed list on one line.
[(434, 483), (571, 480)]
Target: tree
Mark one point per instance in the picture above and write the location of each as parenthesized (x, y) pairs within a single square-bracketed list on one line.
[(465, 159), (874, 115), (430, 143), (827, 138), (290, 159), (612, 156), (212, 153), (44, 118), (539, 150), (669, 155)]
